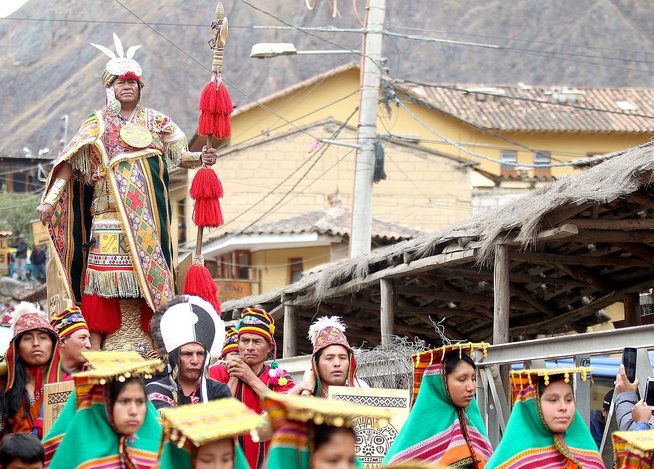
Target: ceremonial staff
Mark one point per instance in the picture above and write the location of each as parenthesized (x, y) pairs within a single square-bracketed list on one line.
[(206, 189)]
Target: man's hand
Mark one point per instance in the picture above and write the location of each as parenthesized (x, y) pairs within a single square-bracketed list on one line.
[(622, 384), (209, 156), (641, 412), (302, 388), (237, 368), (45, 212)]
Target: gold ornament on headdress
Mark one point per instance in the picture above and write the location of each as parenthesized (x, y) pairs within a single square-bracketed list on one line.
[(531, 376)]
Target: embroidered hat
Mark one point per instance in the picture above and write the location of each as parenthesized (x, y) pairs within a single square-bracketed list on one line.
[(281, 407), (68, 321), (231, 342), (110, 366), (29, 317), (203, 423), (257, 321), (423, 360), (634, 449), (328, 331)]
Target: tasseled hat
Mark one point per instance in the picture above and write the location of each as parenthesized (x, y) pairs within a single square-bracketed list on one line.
[(121, 65), (260, 322), (328, 331), (68, 321), (231, 342)]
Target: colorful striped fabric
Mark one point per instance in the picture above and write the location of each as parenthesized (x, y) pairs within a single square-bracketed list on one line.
[(437, 431), (528, 444), (633, 450)]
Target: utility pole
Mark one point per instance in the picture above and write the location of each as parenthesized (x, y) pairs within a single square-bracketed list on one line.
[(361, 227)]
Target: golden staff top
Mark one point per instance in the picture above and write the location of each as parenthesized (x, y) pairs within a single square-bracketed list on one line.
[(221, 29)]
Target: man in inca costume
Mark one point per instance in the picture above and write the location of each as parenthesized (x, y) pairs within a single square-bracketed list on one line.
[(107, 208)]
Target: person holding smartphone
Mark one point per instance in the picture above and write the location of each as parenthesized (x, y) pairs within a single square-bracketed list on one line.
[(631, 412)]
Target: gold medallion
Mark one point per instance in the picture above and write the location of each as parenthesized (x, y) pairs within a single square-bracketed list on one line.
[(135, 135)]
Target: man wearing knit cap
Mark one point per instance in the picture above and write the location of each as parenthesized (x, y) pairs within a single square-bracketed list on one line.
[(230, 348), (249, 377), (74, 338), (333, 362)]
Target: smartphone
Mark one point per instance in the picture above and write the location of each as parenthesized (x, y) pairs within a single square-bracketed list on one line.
[(649, 392), (629, 362)]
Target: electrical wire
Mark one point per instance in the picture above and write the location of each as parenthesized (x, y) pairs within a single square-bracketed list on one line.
[(557, 55), (507, 38), (584, 162)]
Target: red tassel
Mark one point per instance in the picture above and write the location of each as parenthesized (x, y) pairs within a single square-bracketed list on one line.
[(200, 283), (146, 316), (206, 185), (207, 213), (101, 314), (215, 108)]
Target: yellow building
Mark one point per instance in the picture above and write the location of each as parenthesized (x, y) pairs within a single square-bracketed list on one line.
[(447, 152)]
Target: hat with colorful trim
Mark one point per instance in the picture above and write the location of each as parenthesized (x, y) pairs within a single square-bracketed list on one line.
[(423, 360), (634, 449), (231, 342), (68, 321), (257, 321)]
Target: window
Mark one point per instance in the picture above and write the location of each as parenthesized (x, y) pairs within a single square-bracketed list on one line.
[(509, 158), (542, 160), (235, 265), (295, 269)]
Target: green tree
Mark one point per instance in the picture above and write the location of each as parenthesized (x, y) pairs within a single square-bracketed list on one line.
[(17, 211)]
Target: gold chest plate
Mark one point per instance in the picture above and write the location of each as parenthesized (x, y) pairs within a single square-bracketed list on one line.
[(136, 136)]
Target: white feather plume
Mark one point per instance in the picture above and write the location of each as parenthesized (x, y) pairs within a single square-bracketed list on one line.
[(24, 307), (119, 46), (324, 322), (131, 51), (108, 52)]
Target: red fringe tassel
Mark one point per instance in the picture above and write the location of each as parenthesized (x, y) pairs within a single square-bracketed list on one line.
[(102, 314), (215, 108), (200, 283), (206, 185)]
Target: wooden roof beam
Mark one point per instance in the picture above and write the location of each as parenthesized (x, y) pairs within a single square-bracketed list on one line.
[(558, 259)]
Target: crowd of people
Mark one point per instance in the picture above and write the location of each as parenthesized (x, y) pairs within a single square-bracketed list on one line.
[(160, 382), (216, 398)]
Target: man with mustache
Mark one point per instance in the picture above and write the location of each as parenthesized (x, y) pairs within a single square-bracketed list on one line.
[(186, 330)]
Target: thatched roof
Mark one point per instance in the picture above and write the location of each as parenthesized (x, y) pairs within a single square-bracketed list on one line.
[(578, 246)]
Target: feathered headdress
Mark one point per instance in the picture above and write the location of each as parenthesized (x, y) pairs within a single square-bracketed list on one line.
[(328, 330), (121, 64)]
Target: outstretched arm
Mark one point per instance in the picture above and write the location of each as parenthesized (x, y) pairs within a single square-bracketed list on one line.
[(64, 172)]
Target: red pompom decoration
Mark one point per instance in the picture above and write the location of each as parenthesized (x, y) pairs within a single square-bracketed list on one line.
[(200, 283), (206, 190), (215, 108)]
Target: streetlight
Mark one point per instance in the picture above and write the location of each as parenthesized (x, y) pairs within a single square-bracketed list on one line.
[(266, 50)]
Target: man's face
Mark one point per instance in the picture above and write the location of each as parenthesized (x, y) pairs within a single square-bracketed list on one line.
[(253, 348), (35, 348), (334, 365), (126, 91), (72, 347), (191, 361)]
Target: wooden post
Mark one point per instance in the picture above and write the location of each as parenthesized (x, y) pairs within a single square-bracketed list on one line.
[(387, 311), (290, 337), (631, 302), (501, 308), (502, 295)]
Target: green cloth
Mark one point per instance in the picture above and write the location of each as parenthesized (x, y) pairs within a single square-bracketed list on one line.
[(528, 443), (434, 431), (290, 447), (86, 436), (173, 457)]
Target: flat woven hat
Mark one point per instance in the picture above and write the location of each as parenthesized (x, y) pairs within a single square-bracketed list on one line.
[(210, 421)]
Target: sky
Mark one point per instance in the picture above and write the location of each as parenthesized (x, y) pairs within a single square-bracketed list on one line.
[(7, 7)]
